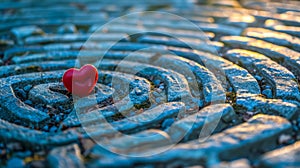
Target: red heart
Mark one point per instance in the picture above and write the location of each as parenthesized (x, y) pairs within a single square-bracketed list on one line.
[(81, 82)]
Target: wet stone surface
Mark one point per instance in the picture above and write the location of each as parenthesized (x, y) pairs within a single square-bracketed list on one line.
[(286, 156), (234, 141), (286, 56), (191, 84), (274, 37), (283, 81)]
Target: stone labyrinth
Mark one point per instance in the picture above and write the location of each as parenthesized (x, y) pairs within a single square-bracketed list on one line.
[(238, 80)]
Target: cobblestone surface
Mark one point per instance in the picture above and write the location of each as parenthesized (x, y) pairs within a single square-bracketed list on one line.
[(287, 156), (226, 96)]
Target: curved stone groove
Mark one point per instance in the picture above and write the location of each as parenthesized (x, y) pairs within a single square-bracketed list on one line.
[(283, 80), (184, 25), (61, 55), (238, 141), (199, 78), (195, 44), (42, 94), (289, 58), (38, 39), (177, 86), (14, 108), (274, 37), (104, 46), (33, 16), (207, 27), (256, 103), (286, 156), (200, 74), (260, 15), (247, 89), (28, 7), (151, 16), (207, 82), (130, 29), (292, 30), (239, 78), (11, 132), (280, 6), (119, 81), (39, 53), (68, 156), (211, 117), (122, 102), (239, 20), (92, 55), (73, 38), (287, 19), (51, 22), (181, 130), (10, 70), (97, 127)]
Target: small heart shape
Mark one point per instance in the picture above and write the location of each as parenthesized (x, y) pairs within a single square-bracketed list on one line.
[(81, 82)]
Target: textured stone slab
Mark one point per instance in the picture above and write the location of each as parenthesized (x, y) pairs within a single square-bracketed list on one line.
[(288, 57), (205, 11), (130, 29), (96, 126), (67, 156), (287, 19), (220, 29), (43, 94), (280, 27), (67, 28), (235, 142), (33, 138), (256, 103), (260, 15), (5, 44), (122, 101), (274, 37), (198, 77), (183, 42), (45, 56), (239, 20), (209, 118), (73, 38), (14, 108), (50, 22), (58, 51), (212, 118), (282, 7), (288, 156), (240, 163), (10, 70), (23, 32), (207, 27), (177, 85), (167, 16), (61, 5), (49, 15), (240, 80), (104, 46), (9, 53), (226, 3), (283, 81)]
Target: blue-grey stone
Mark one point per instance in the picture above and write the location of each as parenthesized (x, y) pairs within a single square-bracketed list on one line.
[(267, 93), (15, 163)]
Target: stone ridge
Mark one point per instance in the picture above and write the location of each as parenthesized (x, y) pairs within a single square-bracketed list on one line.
[(181, 84)]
